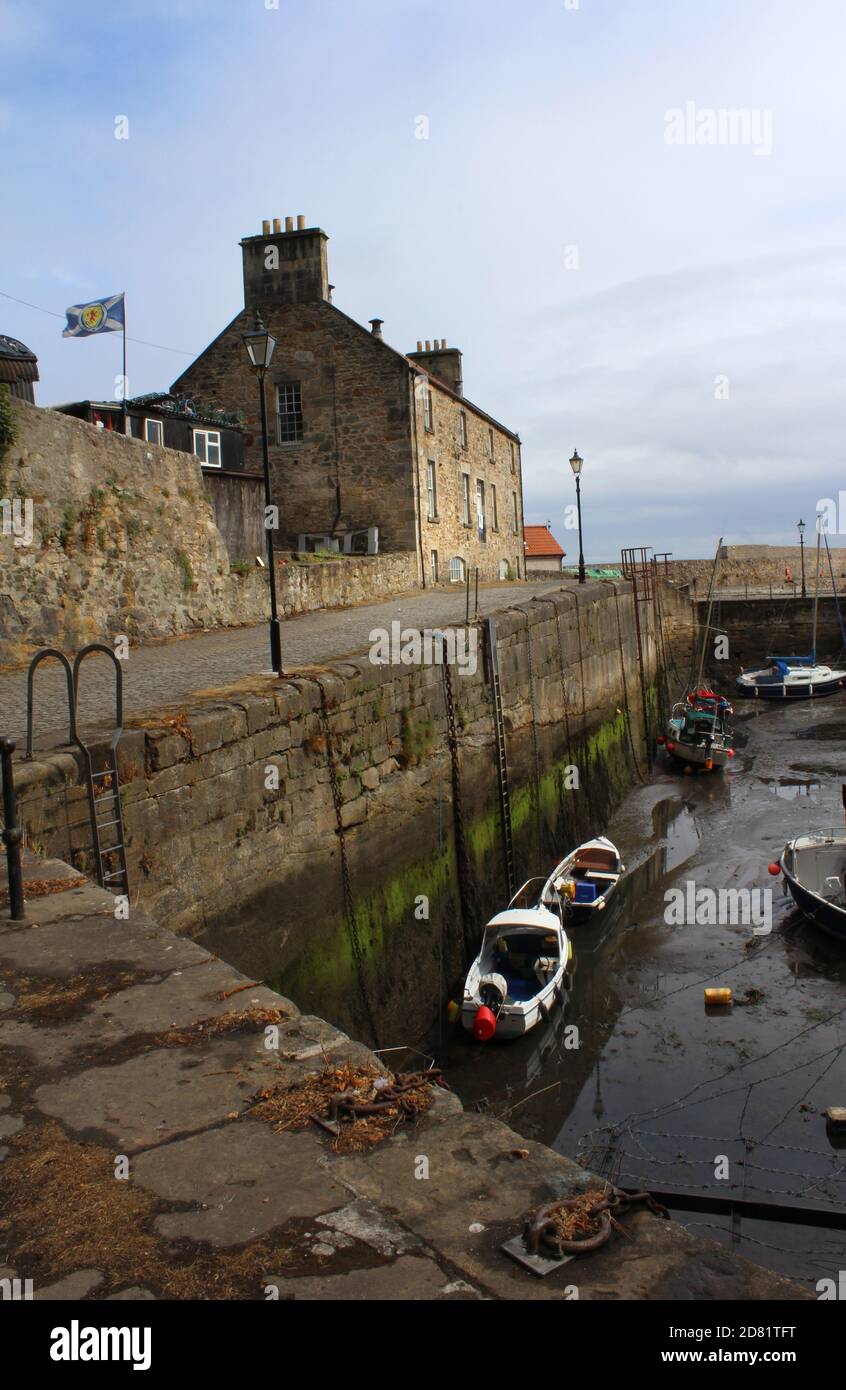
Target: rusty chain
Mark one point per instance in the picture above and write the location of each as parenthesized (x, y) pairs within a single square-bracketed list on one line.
[(542, 1235)]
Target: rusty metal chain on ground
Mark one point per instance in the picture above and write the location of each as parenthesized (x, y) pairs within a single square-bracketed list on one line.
[(346, 882), (350, 1105), (542, 1235)]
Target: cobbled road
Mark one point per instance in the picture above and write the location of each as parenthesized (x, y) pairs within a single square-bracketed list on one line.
[(163, 673)]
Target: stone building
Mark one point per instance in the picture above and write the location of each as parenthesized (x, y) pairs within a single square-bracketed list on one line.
[(369, 449), (544, 555)]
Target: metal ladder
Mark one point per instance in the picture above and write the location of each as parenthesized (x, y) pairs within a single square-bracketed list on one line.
[(501, 759), (103, 784)]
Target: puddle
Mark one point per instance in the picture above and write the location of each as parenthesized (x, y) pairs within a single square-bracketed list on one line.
[(791, 789), (835, 730)]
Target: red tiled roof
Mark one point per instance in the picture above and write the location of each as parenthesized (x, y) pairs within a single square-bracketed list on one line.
[(540, 541)]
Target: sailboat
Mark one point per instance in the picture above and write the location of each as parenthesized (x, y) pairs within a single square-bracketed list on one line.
[(798, 677), (697, 733)]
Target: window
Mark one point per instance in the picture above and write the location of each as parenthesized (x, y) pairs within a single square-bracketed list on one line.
[(491, 447), (433, 565), (480, 509), (289, 409), (494, 518), (513, 456), (514, 512), (465, 498), (154, 431), (462, 428), (207, 447), (432, 490), (504, 569), (456, 570), (427, 409)]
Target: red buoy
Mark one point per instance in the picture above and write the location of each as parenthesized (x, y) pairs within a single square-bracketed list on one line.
[(484, 1025), (774, 869), (671, 747), (731, 752), (661, 739)]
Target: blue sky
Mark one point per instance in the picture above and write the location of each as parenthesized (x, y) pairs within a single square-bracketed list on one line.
[(677, 311)]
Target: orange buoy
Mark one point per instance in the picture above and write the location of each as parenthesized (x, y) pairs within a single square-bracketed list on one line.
[(718, 996), (484, 1025), (774, 869)]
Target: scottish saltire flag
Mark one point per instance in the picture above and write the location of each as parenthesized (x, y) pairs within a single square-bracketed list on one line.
[(98, 316)]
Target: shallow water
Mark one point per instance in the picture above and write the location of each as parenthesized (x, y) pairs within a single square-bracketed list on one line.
[(660, 1091)]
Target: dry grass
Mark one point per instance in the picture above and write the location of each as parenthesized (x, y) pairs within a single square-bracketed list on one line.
[(44, 1000), (246, 1021), (62, 1209), (41, 887), (293, 1107), (580, 1221)]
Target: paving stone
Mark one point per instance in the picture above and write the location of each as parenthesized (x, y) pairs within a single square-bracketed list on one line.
[(248, 1178), (9, 1125), (133, 1295), (412, 1278), (77, 1285), (67, 947), (159, 1095), (365, 1222)]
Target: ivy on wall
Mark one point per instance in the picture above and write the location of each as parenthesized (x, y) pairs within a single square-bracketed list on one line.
[(8, 423)]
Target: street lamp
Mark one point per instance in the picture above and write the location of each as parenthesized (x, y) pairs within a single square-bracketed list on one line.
[(260, 348), (576, 465), (801, 527)]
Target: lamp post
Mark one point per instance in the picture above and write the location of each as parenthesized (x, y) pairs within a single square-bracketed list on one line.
[(576, 465), (801, 528), (260, 348)]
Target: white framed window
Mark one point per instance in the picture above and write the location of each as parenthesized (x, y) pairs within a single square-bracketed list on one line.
[(456, 570), (494, 517), (462, 428), (154, 432), (433, 565), (465, 498), (481, 519), (427, 409), (289, 412), (207, 448), (431, 490)]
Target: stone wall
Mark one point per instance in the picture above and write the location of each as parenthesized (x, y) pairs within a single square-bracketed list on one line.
[(123, 541), (759, 567), (306, 586), (232, 831), (238, 504)]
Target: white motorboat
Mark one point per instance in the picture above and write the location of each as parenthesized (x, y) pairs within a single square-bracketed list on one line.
[(520, 973), (586, 879)]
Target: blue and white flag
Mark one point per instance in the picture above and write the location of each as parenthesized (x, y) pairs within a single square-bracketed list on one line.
[(98, 316)]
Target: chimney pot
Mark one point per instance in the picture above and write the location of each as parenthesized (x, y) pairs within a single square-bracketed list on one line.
[(277, 226), (428, 346), (376, 327), (443, 342), (301, 223), (289, 224), (419, 345), (265, 227)]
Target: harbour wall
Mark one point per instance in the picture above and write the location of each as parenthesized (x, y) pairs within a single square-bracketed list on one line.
[(758, 627), (338, 833)]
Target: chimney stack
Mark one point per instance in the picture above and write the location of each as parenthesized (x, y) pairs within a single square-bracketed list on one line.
[(376, 327), (441, 362), (289, 267)]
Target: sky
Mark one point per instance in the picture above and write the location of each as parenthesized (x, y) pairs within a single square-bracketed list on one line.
[(558, 188)]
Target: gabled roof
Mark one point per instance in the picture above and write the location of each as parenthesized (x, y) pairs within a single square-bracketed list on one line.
[(541, 542), (17, 362)]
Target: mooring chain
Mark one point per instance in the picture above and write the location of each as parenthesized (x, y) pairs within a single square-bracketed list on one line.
[(392, 1094), (464, 893), (346, 881), (542, 1232), (630, 739)]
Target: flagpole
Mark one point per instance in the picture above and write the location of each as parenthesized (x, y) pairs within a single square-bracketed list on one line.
[(125, 417)]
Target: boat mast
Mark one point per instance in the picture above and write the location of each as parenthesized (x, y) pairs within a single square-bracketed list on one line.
[(816, 595), (707, 627)]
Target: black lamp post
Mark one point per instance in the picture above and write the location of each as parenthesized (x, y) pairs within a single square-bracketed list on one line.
[(801, 528), (260, 348), (576, 465)]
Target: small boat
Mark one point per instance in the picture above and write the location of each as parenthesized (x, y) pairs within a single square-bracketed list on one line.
[(814, 868), (586, 879), (798, 677), (791, 678), (520, 972), (697, 731)]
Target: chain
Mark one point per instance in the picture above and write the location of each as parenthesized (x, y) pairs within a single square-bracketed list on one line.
[(536, 778), (630, 740), (346, 882)]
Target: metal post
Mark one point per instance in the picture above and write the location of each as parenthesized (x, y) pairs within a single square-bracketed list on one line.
[(802, 557), (581, 548), (477, 592), (12, 833), (275, 630), (466, 595)]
